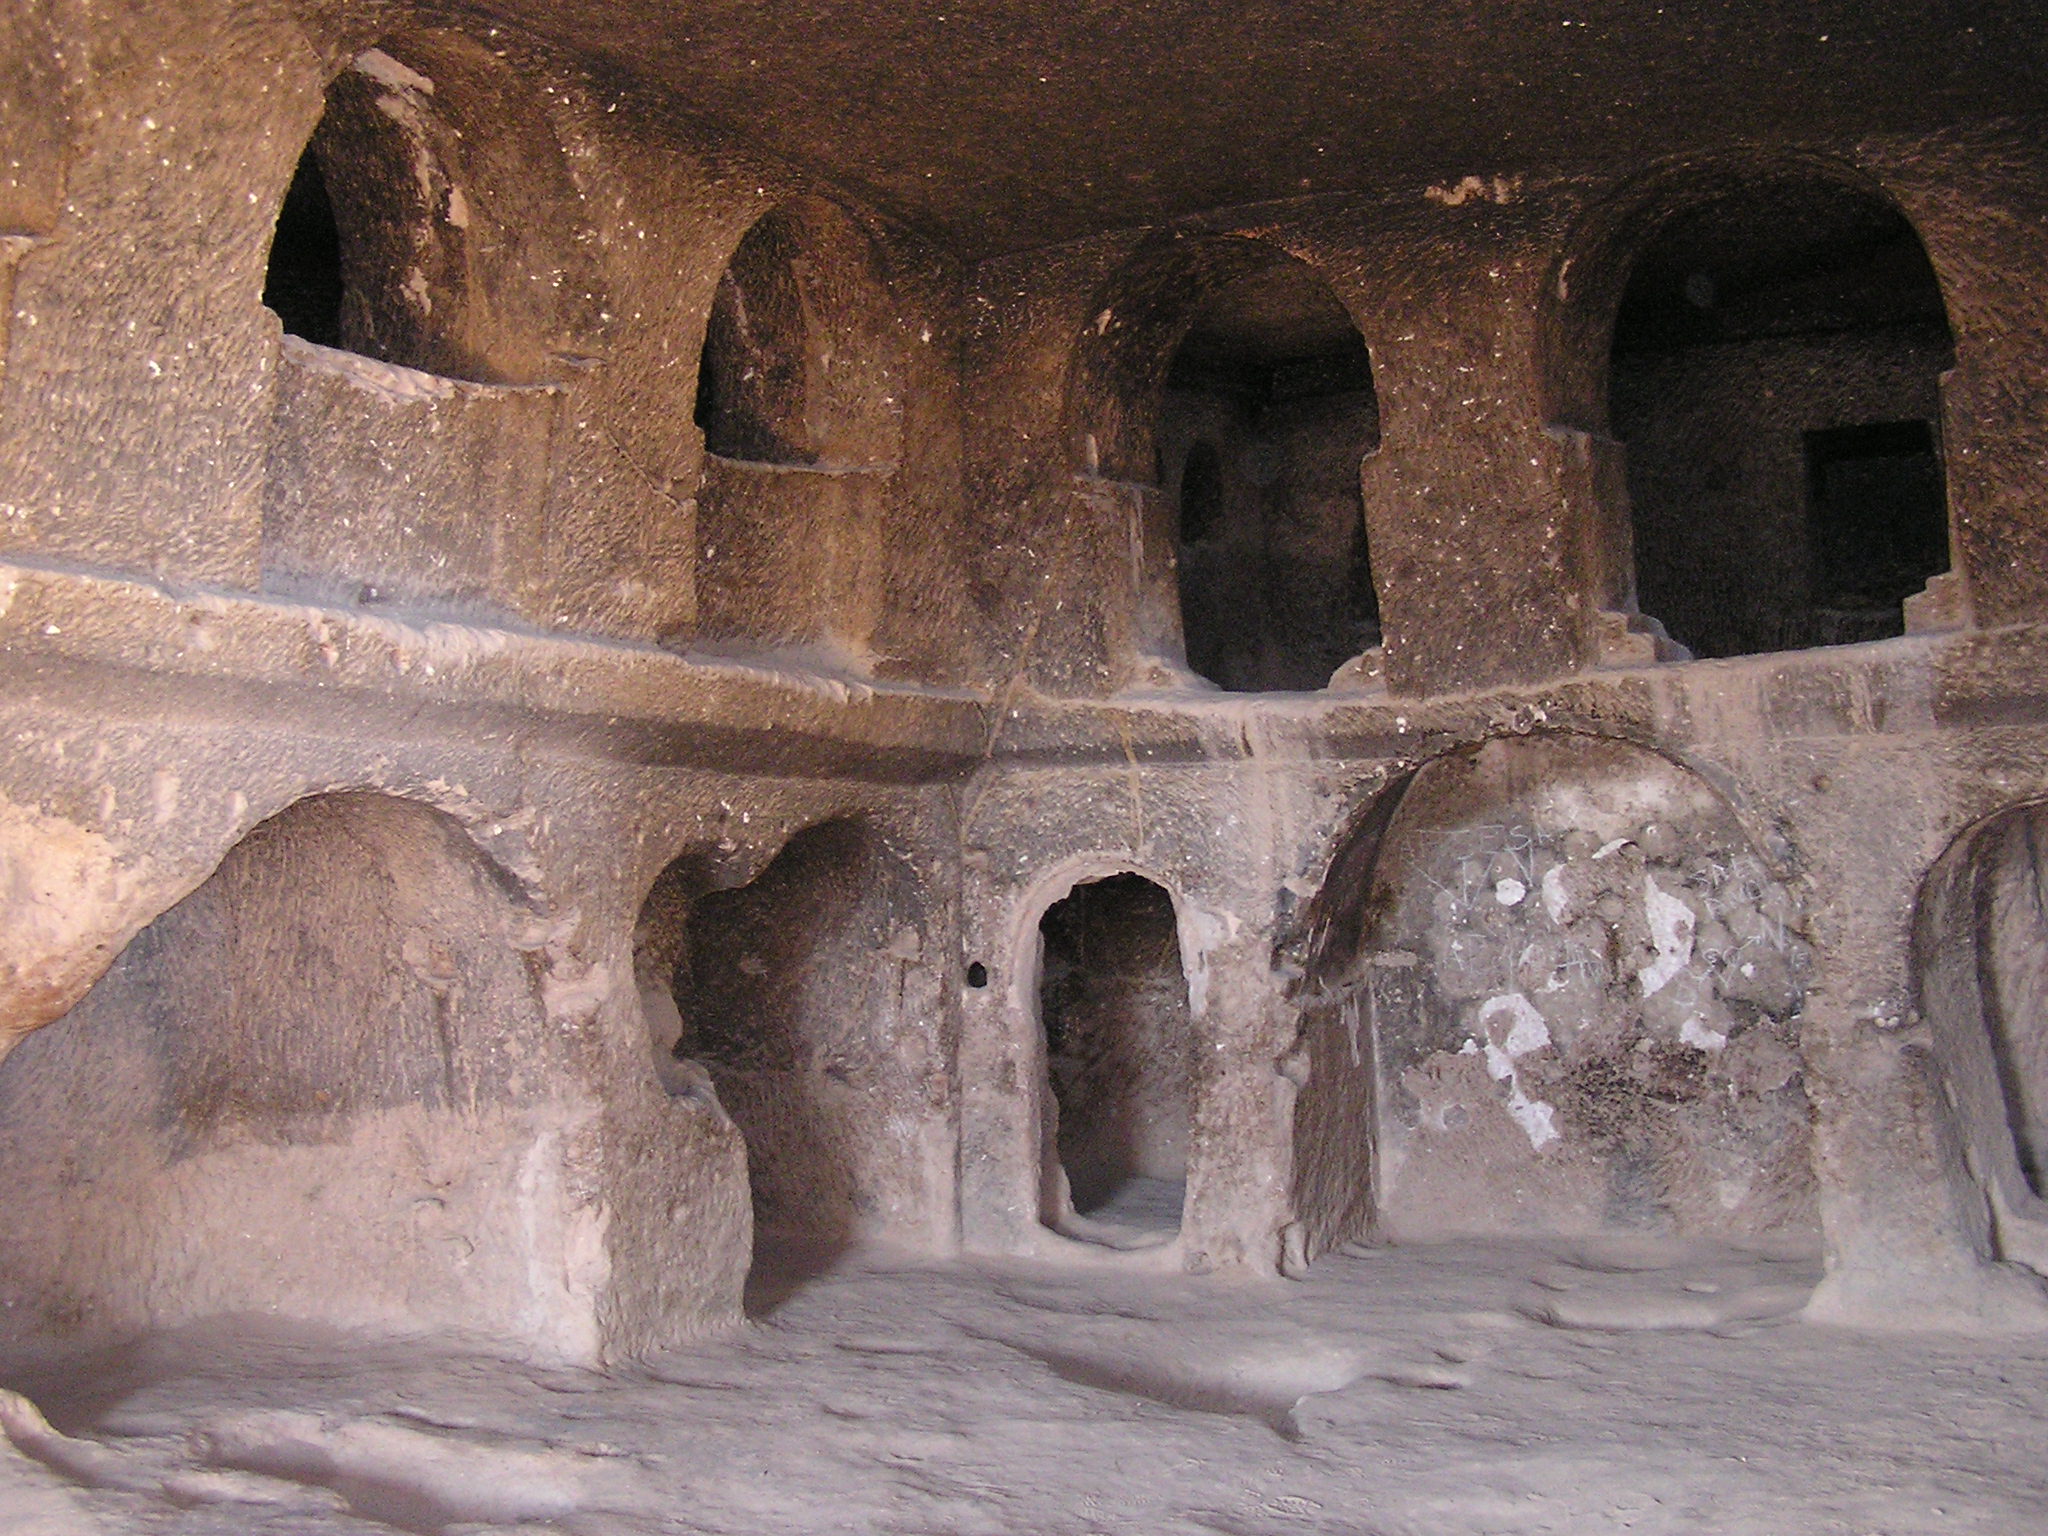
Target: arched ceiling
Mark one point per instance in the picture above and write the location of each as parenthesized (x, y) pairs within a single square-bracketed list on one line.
[(1002, 125)]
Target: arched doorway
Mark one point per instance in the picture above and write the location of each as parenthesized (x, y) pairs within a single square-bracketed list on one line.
[(1267, 411), (1120, 1062), (1775, 377), (1223, 394)]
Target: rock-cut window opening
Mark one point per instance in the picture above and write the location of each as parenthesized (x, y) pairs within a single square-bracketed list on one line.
[(1775, 379), (430, 222), (1268, 409), (1119, 1045)]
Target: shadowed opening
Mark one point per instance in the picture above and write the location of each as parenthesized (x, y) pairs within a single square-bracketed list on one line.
[(303, 284), (1776, 380), (787, 1001), (1113, 1001), (259, 1107), (754, 379), (1267, 411), (430, 222)]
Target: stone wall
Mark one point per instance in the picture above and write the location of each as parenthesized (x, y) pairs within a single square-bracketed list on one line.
[(604, 676)]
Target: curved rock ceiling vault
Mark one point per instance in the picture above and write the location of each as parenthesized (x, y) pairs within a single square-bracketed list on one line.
[(1002, 125)]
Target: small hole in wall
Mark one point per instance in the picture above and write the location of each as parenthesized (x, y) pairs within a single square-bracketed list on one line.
[(977, 975)]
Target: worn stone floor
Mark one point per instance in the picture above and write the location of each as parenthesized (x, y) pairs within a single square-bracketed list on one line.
[(1455, 1390)]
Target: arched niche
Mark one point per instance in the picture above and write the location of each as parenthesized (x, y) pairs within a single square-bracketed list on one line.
[(310, 1089), (798, 365), (800, 1001), (1549, 987), (800, 400), (1225, 380), (1120, 1062), (432, 222), (1980, 953), (1758, 345)]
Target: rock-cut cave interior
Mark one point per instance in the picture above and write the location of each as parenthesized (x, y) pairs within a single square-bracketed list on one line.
[(974, 767)]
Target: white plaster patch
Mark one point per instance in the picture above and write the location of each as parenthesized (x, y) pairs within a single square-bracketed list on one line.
[(1201, 932), (1536, 1118), (415, 288), (1509, 891), (1500, 189), (1555, 898), (1692, 1032), (1523, 1031), (1671, 929), (386, 70)]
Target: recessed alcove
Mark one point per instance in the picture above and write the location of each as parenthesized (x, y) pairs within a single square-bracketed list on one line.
[(1267, 411), (790, 1001), (799, 398), (430, 221), (1222, 398), (813, 511), (1120, 1061), (1776, 381), (1981, 964), (437, 284), (1550, 987), (308, 1090)]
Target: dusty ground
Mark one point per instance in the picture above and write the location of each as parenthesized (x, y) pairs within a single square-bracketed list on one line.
[(1442, 1390)]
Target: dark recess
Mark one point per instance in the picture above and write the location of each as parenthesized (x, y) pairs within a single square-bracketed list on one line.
[(303, 285), (1879, 516), (1776, 361), (1274, 383)]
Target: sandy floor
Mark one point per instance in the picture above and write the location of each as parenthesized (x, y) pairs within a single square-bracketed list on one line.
[(1444, 1391)]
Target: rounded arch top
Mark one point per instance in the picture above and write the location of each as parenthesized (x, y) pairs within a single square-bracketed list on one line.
[(800, 364), (433, 221), (1584, 291), (1148, 308), (1326, 935), (1577, 971), (55, 962)]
